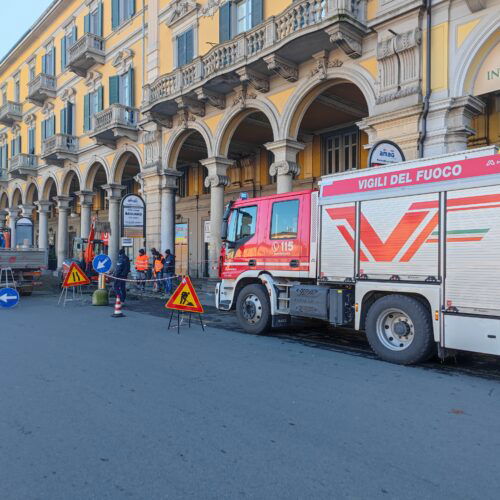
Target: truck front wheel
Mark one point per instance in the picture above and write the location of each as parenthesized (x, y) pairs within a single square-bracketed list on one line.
[(399, 330), (254, 310)]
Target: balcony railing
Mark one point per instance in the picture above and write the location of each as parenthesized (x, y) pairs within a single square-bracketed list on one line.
[(113, 123), (60, 147), (23, 165), (304, 17), (41, 88), (10, 112), (86, 52)]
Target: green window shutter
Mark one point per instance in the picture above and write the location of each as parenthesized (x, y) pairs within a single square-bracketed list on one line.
[(100, 98), (99, 19), (86, 23), (31, 141), (86, 113), (131, 8), (69, 118), (53, 62), (114, 89), (53, 125), (131, 87), (225, 22), (115, 13), (189, 45), (63, 52), (19, 145), (64, 129), (257, 12), (44, 64)]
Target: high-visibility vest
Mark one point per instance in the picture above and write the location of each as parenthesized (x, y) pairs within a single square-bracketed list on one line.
[(158, 265), (142, 263)]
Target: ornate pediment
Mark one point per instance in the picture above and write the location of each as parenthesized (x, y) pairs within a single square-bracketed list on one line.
[(30, 119), (48, 108), (68, 95), (179, 9), (93, 80), (123, 60)]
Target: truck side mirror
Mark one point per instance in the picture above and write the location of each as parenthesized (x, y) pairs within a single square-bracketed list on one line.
[(224, 230)]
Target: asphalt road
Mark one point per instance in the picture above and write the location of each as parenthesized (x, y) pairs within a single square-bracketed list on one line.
[(95, 407)]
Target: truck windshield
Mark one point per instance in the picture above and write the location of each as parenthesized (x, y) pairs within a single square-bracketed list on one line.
[(242, 224)]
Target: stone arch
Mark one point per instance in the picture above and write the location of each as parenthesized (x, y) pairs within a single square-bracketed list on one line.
[(174, 145), (472, 53), (17, 196), (68, 177), (31, 191), (235, 116), (47, 183), (4, 200), (91, 171), (306, 93), (120, 160)]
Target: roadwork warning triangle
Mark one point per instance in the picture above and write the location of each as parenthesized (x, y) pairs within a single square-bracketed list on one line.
[(185, 298), (75, 277)]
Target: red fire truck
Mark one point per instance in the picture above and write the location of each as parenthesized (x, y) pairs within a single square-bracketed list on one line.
[(408, 253)]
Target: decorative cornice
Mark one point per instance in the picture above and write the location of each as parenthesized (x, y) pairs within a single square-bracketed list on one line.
[(194, 107), (257, 80), (282, 67), (179, 9), (213, 98)]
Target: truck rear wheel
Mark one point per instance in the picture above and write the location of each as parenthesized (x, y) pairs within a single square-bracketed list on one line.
[(254, 310), (399, 330)]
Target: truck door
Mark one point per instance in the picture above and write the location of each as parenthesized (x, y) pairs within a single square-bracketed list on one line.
[(285, 241), (242, 243)]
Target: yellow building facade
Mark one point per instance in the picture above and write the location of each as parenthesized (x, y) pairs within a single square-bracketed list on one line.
[(190, 103)]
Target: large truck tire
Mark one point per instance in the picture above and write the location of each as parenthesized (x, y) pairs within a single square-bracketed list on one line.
[(399, 330), (254, 310)]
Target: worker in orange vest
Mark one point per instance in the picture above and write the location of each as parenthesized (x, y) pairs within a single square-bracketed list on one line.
[(158, 271), (141, 266)]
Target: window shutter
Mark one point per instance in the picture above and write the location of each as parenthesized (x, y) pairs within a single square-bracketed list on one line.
[(115, 14), (257, 12), (225, 22), (74, 35), (53, 62), (131, 7), (131, 87), (189, 46), (19, 145), (86, 23), (69, 119), (63, 52), (86, 112), (44, 64), (64, 129), (44, 129), (31, 141), (114, 89), (53, 125), (12, 148), (100, 98), (99, 19)]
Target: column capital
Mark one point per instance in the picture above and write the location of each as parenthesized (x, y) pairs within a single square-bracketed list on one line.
[(169, 179), (63, 202), (3, 213), (217, 171), (114, 191), (13, 211), (26, 210), (43, 206), (285, 149), (86, 197)]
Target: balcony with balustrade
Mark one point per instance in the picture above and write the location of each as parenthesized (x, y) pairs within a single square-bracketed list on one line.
[(41, 88), (113, 123), (85, 53), (10, 113), (58, 148), (22, 165), (277, 46)]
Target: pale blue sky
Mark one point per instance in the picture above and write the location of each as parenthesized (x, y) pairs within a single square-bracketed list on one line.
[(16, 18)]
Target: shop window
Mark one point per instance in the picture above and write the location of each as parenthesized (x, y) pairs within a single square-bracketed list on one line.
[(285, 220), (341, 151), (242, 224)]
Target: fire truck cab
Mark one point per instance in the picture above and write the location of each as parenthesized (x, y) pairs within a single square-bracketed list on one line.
[(407, 253)]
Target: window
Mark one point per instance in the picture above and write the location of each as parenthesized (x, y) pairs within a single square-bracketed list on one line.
[(93, 103), (67, 125), (49, 61), (121, 89), (243, 16), (4, 157), (285, 220), (31, 140), (235, 17), (32, 70), (17, 89), (15, 146), (93, 21), (341, 151), (48, 127), (185, 47), (67, 42), (182, 183), (242, 224), (122, 10)]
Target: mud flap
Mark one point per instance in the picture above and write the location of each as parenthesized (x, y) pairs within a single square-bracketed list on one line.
[(280, 320)]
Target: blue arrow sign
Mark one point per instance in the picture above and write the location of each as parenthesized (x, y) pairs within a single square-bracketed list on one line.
[(8, 298), (101, 263)]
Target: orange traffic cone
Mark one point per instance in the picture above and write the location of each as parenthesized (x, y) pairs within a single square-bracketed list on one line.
[(118, 309)]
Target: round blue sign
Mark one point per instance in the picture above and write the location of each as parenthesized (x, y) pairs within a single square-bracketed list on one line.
[(8, 298), (101, 263)]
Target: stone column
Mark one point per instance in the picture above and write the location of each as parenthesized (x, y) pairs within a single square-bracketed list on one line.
[(114, 197), (27, 210), (63, 207), (168, 191), (285, 165), (217, 179), (86, 200), (43, 223), (13, 215)]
